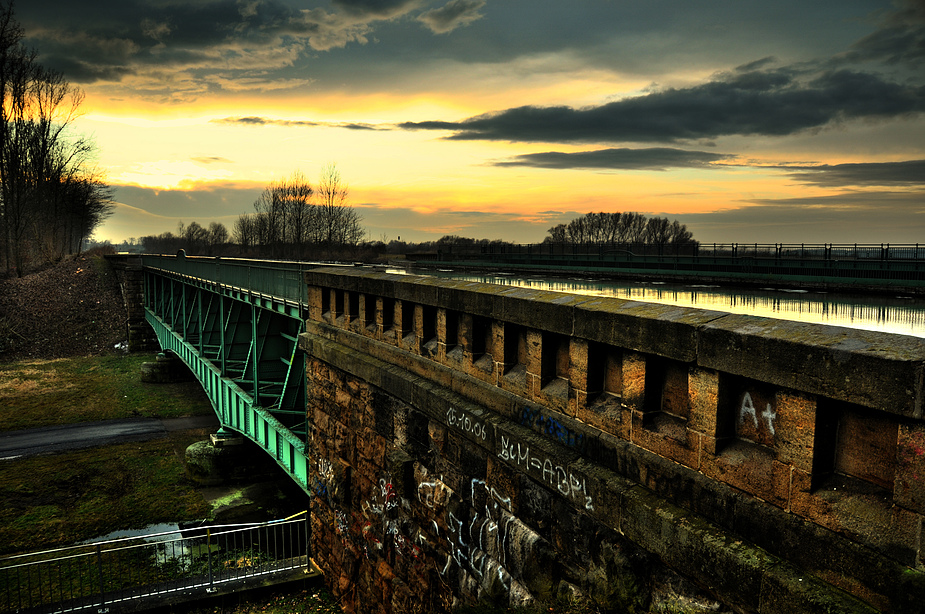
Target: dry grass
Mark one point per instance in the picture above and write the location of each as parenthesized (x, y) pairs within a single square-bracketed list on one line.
[(36, 393)]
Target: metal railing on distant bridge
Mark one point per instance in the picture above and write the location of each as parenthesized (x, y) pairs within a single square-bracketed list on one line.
[(849, 265)]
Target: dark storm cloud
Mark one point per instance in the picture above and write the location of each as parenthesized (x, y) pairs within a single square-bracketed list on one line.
[(900, 39), (908, 173), (772, 102), (452, 15), (82, 71), (651, 159), (380, 8), (100, 40)]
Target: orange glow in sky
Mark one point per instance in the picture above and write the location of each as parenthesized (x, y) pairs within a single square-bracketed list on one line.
[(500, 120)]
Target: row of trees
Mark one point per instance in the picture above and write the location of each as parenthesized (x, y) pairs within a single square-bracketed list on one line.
[(611, 228), (51, 199), (289, 223), (194, 238), (294, 220)]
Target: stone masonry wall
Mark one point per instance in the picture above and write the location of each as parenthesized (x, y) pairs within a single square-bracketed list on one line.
[(131, 281), (478, 443)]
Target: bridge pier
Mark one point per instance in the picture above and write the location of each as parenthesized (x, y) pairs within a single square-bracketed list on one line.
[(167, 368), (130, 273)]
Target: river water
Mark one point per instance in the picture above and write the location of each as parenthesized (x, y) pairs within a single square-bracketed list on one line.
[(892, 313)]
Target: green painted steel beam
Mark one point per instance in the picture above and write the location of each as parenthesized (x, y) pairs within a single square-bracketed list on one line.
[(242, 347), (235, 408)]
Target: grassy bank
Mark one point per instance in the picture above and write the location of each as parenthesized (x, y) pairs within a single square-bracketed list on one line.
[(55, 500), (36, 393)]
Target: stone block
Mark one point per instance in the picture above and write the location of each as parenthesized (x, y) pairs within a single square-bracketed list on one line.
[(863, 513), (550, 311), (751, 468), (634, 380), (662, 330), (529, 558), (703, 391), (578, 365), (666, 436), (498, 492), (872, 369), (735, 570), (867, 444), (534, 363), (436, 504), (909, 489), (605, 414), (790, 590), (794, 428)]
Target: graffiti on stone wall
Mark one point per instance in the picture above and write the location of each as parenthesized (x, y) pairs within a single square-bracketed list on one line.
[(534, 418), (478, 545), (466, 422), (547, 470), (320, 485), (381, 528), (749, 413)]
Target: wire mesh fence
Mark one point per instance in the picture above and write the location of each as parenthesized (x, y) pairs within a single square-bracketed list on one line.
[(99, 575)]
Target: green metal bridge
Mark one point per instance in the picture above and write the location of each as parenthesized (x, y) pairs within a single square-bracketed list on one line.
[(235, 323)]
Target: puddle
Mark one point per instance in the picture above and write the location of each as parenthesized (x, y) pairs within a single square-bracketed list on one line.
[(151, 533)]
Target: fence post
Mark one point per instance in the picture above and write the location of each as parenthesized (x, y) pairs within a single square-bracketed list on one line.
[(99, 565), (209, 556)]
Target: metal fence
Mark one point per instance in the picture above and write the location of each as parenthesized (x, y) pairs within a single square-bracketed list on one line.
[(818, 251), (199, 560)]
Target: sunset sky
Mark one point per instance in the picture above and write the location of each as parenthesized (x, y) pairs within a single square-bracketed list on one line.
[(785, 121)]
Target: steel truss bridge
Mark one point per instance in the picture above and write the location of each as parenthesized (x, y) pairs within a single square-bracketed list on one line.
[(235, 323)]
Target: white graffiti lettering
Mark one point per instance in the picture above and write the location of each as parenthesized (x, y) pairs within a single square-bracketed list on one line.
[(550, 472), (466, 423), (748, 409)]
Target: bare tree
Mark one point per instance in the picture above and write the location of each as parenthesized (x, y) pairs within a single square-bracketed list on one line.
[(49, 197), (244, 232), (218, 236), (339, 223)]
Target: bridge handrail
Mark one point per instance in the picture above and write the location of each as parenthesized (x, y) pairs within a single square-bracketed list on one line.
[(147, 536), (276, 278)]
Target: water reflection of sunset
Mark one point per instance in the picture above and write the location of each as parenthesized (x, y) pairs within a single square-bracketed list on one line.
[(891, 314)]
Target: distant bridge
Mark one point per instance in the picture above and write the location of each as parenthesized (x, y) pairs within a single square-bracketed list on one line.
[(477, 442), (844, 266)]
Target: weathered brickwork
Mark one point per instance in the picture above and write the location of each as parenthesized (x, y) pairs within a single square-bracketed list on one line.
[(474, 442)]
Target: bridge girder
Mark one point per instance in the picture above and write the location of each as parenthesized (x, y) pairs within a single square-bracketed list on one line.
[(243, 349)]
